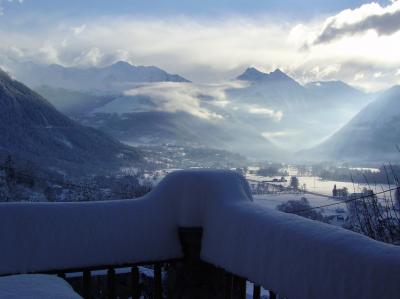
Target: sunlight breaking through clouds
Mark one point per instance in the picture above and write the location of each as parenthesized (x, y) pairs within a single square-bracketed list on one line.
[(363, 40), (279, 137), (383, 20)]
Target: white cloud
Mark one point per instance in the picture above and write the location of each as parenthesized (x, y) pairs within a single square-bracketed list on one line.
[(222, 103), (186, 97), (277, 135), (49, 53), (327, 71), (275, 115), (359, 76), (281, 138), (372, 16), (207, 51), (92, 57), (203, 50), (78, 29)]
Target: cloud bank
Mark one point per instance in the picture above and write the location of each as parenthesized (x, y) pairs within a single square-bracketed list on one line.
[(352, 45), (383, 20), (275, 115), (186, 97)]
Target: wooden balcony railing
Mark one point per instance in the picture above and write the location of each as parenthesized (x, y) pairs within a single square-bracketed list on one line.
[(163, 231), (104, 281)]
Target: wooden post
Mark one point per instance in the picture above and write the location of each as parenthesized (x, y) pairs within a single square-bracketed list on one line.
[(87, 284), (228, 285), (241, 287), (135, 283), (256, 292), (157, 282), (111, 283), (272, 295), (192, 277), (190, 238)]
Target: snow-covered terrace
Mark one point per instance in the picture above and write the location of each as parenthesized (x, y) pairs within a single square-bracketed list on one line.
[(292, 256)]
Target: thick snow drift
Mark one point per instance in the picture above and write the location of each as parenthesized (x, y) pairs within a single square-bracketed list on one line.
[(46, 236), (35, 287), (299, 258), (293, 256)]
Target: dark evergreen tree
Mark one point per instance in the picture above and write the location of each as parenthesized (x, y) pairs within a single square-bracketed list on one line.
[(294, 182)]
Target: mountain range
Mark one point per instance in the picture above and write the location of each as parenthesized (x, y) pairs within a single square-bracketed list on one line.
[(309, 112), (33, 130), (271, 111), (113, 78), (373, 135), (266, 116)]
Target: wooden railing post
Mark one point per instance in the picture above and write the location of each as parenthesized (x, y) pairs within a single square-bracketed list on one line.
[(192, 277), (191, 243), (111, 283), (256, 292), (87, 279), (228, 285), (135, 283), (272, 295), (157, 282), (241, 287)]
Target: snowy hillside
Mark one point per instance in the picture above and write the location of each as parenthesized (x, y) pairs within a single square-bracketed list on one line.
[(72, 103), (373, 135), (308, 113), (32, 130)]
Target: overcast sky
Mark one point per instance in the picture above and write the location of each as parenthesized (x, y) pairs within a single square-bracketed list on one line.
[(211, 40)]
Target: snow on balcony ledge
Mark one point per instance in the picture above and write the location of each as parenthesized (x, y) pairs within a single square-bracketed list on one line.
[(293, 256)]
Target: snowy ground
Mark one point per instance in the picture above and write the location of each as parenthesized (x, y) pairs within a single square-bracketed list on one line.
[(318, 185), (35, 286), (337, 213), (249, 291), (273, 200)]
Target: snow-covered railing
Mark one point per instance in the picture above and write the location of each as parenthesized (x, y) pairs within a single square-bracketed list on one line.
[(293, 256)]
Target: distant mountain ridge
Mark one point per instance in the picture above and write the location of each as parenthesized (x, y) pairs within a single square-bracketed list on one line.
[(333, 88), (309, 112), (283, 90), (273, 112), (254, 75), (373, 135), (73, 103), (33, 130), (113, 78)]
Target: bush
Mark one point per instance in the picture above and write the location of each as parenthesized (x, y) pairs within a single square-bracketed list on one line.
[(300, 207)]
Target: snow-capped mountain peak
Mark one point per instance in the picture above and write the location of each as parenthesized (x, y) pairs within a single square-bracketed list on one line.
[(254, 75)]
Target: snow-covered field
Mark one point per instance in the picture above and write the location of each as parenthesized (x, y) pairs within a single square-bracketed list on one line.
[(273, 200), (318, 185)]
